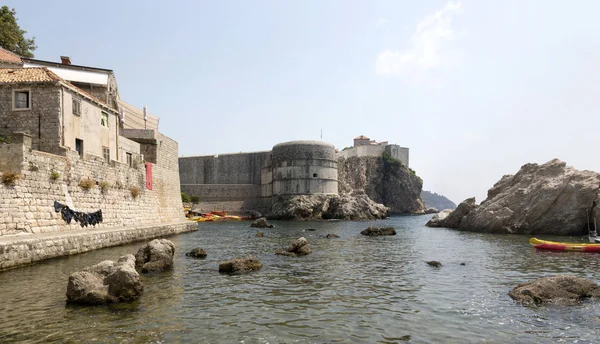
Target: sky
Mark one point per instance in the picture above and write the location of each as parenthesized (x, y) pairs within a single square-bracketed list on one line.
[(475, 89)]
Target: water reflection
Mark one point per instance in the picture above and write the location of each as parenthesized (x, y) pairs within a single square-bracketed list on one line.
[(353, 289)]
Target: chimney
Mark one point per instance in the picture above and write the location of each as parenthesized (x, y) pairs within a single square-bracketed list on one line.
[(65, 60)]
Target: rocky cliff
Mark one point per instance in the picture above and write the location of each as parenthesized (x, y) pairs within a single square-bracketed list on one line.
[(550, 199), (384, 180)]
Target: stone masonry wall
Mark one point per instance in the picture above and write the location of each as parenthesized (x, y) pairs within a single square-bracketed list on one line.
[(44, 114), (27, 207)]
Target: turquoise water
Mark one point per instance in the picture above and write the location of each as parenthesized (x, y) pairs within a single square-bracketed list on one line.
[(354, 289)]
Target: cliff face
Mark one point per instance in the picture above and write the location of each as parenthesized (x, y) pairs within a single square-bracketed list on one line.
[(384, 180)]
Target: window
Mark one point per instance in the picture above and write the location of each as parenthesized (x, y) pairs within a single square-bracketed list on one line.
[(21, 100), (76, 107), (104, 119), (79, 147), (129, 159), (106, 154)]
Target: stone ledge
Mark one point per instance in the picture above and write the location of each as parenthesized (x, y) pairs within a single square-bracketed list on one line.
[(19, 250)]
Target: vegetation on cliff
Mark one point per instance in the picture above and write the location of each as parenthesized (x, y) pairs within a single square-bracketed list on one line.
[(437, 201)]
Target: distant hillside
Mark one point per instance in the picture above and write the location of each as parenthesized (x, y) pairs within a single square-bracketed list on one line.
[(439, 202)]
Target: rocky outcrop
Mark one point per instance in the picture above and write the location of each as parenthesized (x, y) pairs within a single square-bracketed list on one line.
[(105, 282), (155, 256), (261, 223), (384, 180), (240, 265), (438, 219), (298, 248), (550, 199), (198, 252), (376, 231), (355, 206), (561, 289)]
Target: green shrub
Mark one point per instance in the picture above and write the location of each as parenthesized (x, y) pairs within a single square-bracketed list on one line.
[(195, 199), (54, 175), (185, 198), (10, 178)]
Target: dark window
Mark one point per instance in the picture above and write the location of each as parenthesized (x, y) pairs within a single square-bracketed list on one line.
[(314, 175), (129, 159), (79, 147), (106, 154), (104, 119), (22, 100), (76, 107)]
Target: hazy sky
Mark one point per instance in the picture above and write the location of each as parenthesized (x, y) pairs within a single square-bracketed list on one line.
[(474, 88)]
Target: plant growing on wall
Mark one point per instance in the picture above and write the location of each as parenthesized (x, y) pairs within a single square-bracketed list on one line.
[(87, 184), (104, 186), (54, 175), (10, 178), (135, 191), (195, 199), (185, 198)]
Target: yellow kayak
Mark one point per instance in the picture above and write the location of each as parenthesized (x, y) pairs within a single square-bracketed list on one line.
[(564, 246)]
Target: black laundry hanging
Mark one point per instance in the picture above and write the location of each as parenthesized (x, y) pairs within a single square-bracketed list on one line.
[(84, 219)]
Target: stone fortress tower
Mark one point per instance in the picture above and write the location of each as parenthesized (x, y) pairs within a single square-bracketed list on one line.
[(301, 168)]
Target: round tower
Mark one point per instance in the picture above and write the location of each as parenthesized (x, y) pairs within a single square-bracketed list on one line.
[(304, 168)]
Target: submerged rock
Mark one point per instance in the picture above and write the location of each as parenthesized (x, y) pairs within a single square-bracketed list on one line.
[(155, 256), (260, 234), (197, 253), (561, 289), (356, 206), (298, 247), (376, 231), (434, 263), (331, 236), (105, 282), (240, 265), (261, 223), (550, 199)]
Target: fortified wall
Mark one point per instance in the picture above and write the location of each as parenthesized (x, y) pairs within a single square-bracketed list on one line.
[(394, 151), (143, 194), (249, 180)]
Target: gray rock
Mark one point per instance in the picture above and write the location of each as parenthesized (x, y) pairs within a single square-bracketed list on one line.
[(356, 206), (105, 282), (261, 223), (455, 218), (331, 236), (155, 256), (260, 234), (549, 199), (376, 231), (438, 219), (197, 253), (298, 247), (561, 289), (240, 265)]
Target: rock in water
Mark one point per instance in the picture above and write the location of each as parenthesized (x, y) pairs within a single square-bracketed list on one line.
[(331, 236), (438, 219), (298, 247), (105, 282), (197, 253), (261, 223), (155, 256), (357, 206), (561, 289), (434, 263), (550, 199), (240, 265), (376, 231), (260, 234), (455, 218)]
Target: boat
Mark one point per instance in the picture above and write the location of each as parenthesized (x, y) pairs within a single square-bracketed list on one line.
[(564, 246)]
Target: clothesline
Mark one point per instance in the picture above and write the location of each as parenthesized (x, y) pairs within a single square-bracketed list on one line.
[(84, 219)]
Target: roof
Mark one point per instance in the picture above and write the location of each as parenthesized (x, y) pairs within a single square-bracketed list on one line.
[(10, 57), (362, 137), (69, 66), (26, 75), (10, 76)]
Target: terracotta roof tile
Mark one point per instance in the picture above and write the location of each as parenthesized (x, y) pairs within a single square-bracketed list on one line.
[(24, 75), (10, 57), (361, 137)]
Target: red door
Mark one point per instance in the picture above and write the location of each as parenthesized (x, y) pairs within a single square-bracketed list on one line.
[(149, 175)]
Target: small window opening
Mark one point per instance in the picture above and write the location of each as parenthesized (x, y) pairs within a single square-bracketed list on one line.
[(76, 107), (315, 175), (104, 119)]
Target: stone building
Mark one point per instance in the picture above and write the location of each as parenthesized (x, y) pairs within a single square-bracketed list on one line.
[(364, 146)]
